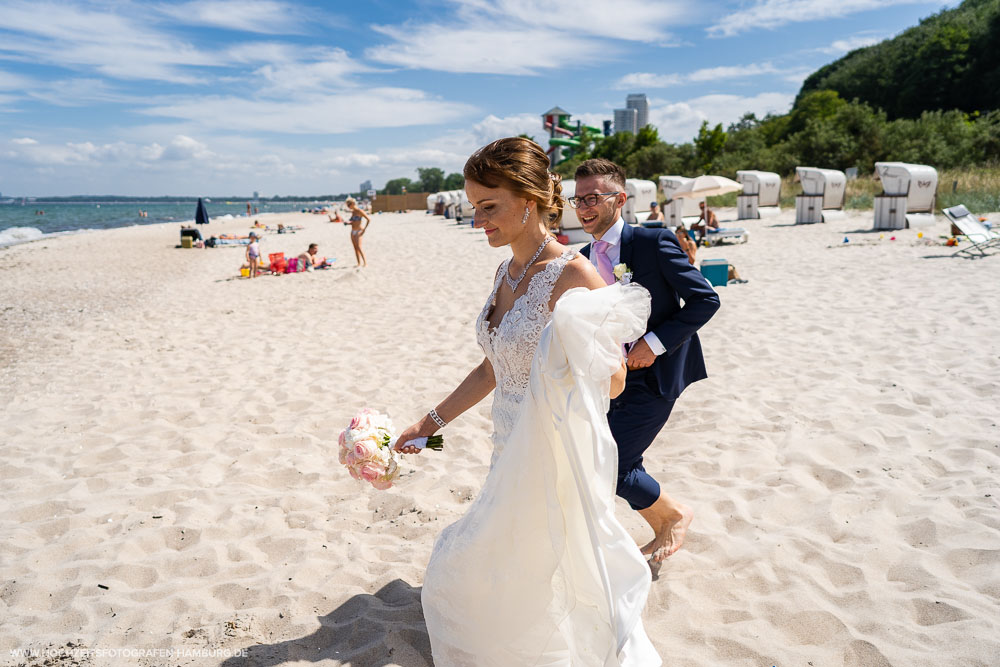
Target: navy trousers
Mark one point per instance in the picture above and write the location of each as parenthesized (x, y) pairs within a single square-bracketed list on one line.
[(636, 417)]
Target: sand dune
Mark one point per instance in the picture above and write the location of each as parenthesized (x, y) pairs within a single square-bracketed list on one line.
[(170, 479)]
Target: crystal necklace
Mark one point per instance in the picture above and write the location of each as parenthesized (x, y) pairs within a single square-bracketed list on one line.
[(512, 282)]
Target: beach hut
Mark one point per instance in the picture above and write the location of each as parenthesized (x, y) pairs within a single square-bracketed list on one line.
[(640, 194), (761, 194), (823, 194), (439, 202), (465, 206), (909, 193), (431, 201), (570, 224), (676, 210), (453, 199)]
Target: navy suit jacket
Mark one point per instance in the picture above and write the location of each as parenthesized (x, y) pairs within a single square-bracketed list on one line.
[(658, 263)]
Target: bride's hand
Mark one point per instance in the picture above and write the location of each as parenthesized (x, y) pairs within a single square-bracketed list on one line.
[(418, 430)]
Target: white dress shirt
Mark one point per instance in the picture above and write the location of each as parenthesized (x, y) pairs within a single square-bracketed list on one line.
[(613, 237)]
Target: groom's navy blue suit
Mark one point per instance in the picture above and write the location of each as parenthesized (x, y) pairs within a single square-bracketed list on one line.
[(658, 263)]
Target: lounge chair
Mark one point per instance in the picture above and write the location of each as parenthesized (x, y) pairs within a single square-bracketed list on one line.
[(979, 236), (723, 234)]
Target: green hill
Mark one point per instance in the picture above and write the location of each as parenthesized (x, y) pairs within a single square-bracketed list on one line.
[(949, 61)]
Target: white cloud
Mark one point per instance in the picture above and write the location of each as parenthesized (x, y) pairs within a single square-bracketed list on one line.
[(645, 80), (9, 81), (679, 121), (259, 16), (329, 67), (774, 13), (484, 50), (648, 80), (629, 20), (23, 141), (115, 45), (731, 72), (315, 114), (526, 36), (850, 43)]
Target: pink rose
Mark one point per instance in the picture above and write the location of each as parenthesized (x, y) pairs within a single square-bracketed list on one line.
[(343, 453), (363, 449), (350, 459), (370, 471), (354, 473), (361, 421), (342, 440), (381, 483)]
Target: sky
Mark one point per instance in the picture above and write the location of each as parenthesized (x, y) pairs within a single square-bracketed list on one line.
[(228, 97)]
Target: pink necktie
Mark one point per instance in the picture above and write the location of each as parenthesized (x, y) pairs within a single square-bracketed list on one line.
[(604, 262)]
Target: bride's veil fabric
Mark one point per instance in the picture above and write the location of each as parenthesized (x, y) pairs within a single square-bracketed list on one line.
[(539, 571)]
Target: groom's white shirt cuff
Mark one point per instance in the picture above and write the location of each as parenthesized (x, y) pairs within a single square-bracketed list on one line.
[(614, 237)]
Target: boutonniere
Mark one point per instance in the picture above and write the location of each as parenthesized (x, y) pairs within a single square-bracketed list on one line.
[(623, 273)]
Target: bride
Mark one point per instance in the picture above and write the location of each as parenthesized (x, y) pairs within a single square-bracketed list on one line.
[(539, 572)]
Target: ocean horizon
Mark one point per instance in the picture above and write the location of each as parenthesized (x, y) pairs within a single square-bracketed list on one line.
[(37, 219)]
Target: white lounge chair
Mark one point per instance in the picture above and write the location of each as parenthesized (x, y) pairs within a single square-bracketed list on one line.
[(979, 236)]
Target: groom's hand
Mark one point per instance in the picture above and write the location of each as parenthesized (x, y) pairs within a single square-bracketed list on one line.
[(640, 356)]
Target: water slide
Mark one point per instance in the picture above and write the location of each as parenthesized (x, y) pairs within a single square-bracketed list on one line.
[(560, 130), (559, 141)]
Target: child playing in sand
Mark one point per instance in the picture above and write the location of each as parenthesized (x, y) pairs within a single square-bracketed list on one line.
[(253, 255)]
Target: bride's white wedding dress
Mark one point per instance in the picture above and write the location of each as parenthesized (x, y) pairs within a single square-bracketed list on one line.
[(538, 571)]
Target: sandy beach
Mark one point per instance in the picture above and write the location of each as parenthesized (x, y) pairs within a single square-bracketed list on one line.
[(170, 492)]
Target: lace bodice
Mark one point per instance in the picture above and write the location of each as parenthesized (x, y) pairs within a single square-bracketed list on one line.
[(511, 346)]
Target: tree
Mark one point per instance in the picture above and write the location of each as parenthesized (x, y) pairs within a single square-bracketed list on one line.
[(396, 186), (653, 161), (709, 144), (820, 104), (454, 182), (431, 179), (616, 148)]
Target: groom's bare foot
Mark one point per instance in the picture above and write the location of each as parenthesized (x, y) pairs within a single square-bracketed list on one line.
[(670, 522)]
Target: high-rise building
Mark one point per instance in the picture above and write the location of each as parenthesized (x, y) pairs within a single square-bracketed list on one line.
[(641, 105), (626, 120), (365, 187)]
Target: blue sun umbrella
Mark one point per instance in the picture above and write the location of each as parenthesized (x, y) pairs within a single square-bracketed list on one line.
[(201, 215)]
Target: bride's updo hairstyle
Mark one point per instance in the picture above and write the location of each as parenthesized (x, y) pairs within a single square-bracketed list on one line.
[(521, 166)]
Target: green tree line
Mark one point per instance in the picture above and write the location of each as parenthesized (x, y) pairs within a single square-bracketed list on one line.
[(429, 179), (822, 130), (948, 61)]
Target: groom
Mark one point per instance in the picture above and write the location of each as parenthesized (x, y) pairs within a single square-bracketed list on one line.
[(661, 363)]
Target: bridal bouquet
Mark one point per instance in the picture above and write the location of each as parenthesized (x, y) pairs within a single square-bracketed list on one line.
[(366, 448)]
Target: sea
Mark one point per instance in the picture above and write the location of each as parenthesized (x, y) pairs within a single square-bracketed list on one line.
[(32, 220)]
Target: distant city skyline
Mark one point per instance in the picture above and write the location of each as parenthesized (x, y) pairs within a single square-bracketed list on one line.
[(226, 96)]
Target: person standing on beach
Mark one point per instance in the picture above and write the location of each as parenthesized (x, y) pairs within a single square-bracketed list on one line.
[(539, 571), (665, 359), (357, 231), (253, 254)]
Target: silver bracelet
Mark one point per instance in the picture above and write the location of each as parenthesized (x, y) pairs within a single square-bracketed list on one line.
[(433, 414)]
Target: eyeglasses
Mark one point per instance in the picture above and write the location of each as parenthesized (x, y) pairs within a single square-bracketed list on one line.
[(589, 200)]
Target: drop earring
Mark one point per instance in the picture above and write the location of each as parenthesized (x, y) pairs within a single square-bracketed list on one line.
[(525, 218)]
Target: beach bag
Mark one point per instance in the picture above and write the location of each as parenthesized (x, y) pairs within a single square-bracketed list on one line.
[(293, 265), (278, 262)]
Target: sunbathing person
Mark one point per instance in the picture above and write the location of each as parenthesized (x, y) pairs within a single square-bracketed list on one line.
[(707, 219), (311, 259)]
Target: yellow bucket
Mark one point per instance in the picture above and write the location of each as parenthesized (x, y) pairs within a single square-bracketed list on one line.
[(245, 273)]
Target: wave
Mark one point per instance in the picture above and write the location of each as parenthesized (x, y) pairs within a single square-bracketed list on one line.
[(14, 235)]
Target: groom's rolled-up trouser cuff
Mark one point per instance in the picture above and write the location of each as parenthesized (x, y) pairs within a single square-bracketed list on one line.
[(636, 417)]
